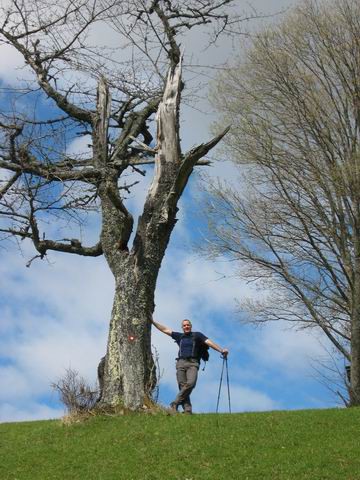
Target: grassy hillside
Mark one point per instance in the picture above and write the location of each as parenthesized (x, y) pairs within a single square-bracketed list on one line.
[(311, 444)]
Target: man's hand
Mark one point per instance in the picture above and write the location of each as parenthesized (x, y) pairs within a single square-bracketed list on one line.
[(224, 352)]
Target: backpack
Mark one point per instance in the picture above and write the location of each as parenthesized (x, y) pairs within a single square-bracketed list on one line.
[(203, 350)]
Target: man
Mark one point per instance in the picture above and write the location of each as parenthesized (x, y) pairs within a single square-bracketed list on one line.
[(188, 361)]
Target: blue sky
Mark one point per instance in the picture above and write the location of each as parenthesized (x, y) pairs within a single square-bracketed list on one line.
[(55, 315)]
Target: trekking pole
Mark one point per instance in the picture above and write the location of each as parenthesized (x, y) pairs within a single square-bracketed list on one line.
[(228, 383), (225, 364), (221, 377)]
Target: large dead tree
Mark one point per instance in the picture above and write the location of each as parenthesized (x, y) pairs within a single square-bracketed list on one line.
[(114, 107)]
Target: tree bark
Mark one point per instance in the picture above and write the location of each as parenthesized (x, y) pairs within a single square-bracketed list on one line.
[(354, 389), (129, 372)]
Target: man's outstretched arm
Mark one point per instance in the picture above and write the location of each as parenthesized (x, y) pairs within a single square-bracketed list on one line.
[(162, 328), (223, 351)]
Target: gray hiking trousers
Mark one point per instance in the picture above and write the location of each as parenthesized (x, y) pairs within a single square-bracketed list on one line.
[(186, 375)]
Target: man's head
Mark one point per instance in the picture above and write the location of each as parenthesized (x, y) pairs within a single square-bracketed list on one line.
[(186, 326)]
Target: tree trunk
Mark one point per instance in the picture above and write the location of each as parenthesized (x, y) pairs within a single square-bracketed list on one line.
[(129, 369), (355, 327), (129, 375)]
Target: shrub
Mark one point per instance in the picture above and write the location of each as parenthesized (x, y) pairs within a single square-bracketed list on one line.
[(75, 393)]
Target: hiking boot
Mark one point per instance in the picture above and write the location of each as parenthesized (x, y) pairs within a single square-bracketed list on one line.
[(173, 407)]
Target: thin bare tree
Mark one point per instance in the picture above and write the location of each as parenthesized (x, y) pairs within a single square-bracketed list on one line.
[(74, 87), (294, 103)]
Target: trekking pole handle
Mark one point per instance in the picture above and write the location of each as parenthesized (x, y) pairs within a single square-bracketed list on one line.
[(224, 353)]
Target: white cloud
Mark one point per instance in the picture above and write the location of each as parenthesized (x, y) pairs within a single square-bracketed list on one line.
[(30, 412), (13, 383), (242, 398), (55, 317), (192, 287), (73, 288), (5, 175), (290, 350), (11, 61), (80, 146), (45, 359)]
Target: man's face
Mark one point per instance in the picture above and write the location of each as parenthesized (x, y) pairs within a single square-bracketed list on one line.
[(186, 326)]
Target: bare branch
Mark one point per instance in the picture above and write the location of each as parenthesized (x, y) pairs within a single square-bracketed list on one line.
[(192, 158), (9, 184)]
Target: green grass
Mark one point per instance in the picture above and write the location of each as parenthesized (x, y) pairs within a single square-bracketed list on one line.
[(309, 444)]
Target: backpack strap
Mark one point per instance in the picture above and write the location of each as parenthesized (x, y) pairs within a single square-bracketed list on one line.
[(193, 347), (194, 351)]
